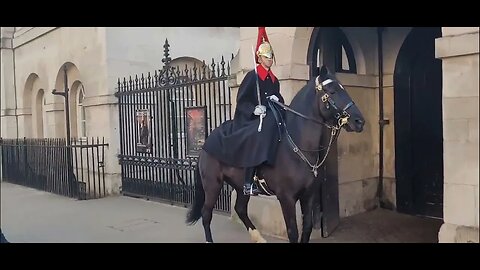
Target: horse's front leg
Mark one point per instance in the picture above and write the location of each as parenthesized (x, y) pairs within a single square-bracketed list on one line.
[(241, 207), (306, 203), (289, 214)]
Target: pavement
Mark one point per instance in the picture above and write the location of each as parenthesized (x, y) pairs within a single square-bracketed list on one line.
[(33, 216)]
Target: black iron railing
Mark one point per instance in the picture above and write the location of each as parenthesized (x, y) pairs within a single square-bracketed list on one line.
[(76, 170)]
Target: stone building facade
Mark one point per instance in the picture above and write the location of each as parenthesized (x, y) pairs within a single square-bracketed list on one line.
[(417, 88)]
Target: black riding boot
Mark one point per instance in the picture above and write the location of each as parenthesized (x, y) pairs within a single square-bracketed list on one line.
[(250, 188)]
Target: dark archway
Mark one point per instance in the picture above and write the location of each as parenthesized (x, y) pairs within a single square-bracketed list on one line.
[(418, 125), (330, 47)]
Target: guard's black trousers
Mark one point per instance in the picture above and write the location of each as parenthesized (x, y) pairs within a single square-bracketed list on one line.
[(249, 173)]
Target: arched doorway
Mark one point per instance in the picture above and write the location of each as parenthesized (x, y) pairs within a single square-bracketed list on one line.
[(330, 47), (418, 125)]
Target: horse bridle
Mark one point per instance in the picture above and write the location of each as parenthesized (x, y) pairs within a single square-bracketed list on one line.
[(342, 119), (341, 116)]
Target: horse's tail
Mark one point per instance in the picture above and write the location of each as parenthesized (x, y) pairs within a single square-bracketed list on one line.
[(195, 211)]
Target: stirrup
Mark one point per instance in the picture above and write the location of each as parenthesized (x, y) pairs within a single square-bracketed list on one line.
[(249, 191)]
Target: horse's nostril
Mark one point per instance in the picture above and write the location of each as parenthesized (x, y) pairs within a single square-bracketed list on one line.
[(359, 121)]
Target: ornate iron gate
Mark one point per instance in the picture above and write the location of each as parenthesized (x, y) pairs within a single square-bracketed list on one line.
[(157, 158)]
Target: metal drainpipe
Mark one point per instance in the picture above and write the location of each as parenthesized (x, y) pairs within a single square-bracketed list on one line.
[(14, 81), (15, 89), (381, 121)]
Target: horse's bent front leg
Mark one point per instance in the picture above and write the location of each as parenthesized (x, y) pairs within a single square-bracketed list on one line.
[(241, 207), (289, 214)]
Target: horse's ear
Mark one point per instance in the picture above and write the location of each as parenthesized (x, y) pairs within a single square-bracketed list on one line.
[(323, 71)]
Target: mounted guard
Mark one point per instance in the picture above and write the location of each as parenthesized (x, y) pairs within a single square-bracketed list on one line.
[(251, 138)]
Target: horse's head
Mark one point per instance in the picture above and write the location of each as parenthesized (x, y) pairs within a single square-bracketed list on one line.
[(336, 105)]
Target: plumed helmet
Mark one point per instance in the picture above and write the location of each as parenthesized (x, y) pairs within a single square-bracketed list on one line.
[(263, 45)]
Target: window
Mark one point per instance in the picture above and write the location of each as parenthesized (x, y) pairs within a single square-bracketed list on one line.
[(40, 115), (331, 48), (344, 58), (81, 115), (44, 117)]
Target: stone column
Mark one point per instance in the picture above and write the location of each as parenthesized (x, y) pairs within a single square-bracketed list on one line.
[(459, 51), (103, 122), (7, 84)]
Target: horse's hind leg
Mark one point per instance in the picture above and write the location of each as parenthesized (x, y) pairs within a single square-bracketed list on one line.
[(212, 191), (241, 207)]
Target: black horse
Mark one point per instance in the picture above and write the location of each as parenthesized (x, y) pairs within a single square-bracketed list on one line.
[(2, 238), (322, 103)]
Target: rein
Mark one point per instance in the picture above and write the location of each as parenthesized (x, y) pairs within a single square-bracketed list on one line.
[(287, 108), (342, 119)]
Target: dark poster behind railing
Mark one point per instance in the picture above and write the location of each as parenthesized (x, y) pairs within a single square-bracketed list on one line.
[(196, 122), (144, 140)]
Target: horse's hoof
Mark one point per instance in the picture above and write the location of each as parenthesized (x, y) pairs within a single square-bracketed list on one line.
[(261, 240), (256, 236)]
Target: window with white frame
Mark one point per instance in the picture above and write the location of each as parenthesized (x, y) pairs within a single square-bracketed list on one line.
[(81, 115), (333, 49), (43, 119), (344, 56)]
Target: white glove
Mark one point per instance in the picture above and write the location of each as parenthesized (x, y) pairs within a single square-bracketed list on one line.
[(260, 109), (273, 97)]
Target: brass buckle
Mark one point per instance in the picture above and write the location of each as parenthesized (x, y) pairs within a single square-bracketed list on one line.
[(325, 98)]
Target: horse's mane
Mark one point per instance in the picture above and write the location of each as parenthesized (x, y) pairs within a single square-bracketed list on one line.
[(304, 97), (304, 102)]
